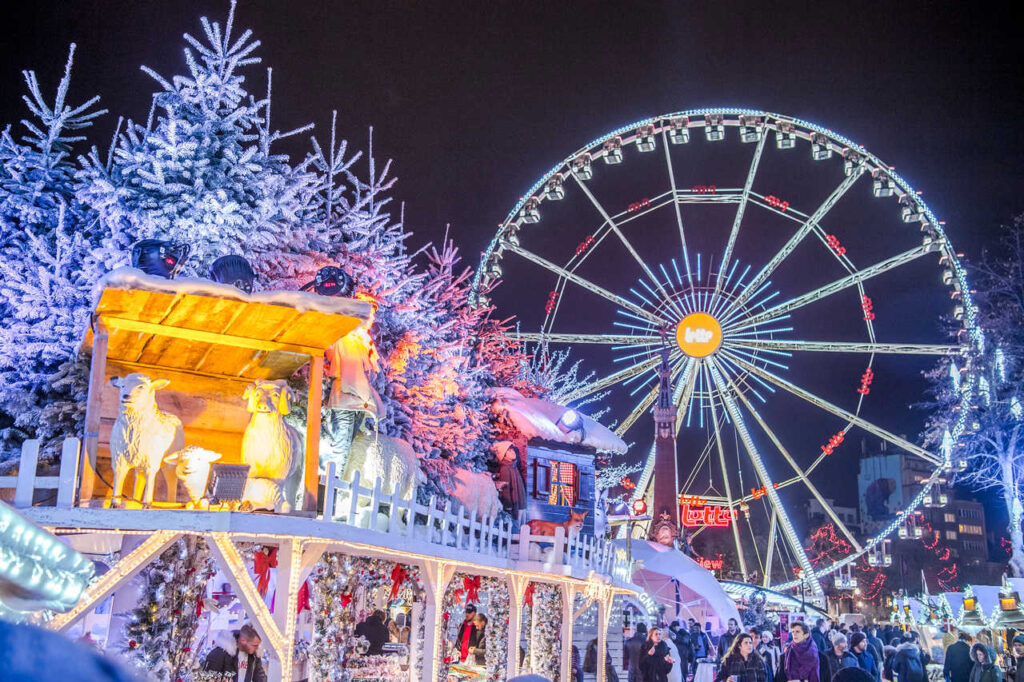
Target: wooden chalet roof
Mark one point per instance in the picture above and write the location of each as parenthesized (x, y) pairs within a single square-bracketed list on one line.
[(213, 329)]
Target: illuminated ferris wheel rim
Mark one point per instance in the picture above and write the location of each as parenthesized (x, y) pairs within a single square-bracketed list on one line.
[(757, 123)]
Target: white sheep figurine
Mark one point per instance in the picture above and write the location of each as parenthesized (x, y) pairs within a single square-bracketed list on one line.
[(477, 492), (142, 434), (192, 465), (272, 448), (392, 460)]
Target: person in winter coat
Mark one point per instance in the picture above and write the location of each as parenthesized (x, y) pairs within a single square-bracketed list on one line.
[(839, 656), (633, 650), (725, 641), (681, 637), (771, 653), (906, 664), (888, 652), (985, 669), (590, 662), (957, 664), (802, 661), (375, 632), (237, 653), (1015, 669), (741, 663), (865, 657), (874, 644), (655, 661), (820, 628), (676, 673)]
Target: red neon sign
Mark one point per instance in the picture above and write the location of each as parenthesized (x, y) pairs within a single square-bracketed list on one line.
[(637, 205), (758, 493), (776, 202), (711, 564), (697, 512)]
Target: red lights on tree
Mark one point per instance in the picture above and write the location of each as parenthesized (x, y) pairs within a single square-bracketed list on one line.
[(638, 205)]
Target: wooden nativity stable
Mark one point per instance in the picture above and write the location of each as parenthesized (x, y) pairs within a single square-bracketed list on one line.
[(211, 341)]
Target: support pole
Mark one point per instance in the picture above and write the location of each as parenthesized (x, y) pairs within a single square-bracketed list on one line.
[(604, 612), (568, 594), (517, 593), (93, 404), (286, 601), (436, 575), (316, 390)]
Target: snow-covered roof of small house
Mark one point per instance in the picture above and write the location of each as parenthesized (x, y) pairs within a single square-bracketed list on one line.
[(543, 420), (202, 326)]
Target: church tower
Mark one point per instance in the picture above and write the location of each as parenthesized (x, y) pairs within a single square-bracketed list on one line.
[(665, 483)]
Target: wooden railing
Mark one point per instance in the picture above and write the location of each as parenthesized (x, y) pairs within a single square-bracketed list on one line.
[(26, 483)]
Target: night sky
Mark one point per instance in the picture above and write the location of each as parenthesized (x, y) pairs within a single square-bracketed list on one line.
[(475, 101)]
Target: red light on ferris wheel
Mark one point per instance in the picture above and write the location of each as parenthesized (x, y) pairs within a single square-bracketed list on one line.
[(639, 507)]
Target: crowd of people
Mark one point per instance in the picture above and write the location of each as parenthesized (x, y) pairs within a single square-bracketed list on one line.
[(805, 653)]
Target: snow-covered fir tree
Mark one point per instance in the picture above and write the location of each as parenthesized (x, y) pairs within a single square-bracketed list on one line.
[(46, 265)]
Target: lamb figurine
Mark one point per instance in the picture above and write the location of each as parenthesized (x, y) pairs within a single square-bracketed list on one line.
[(192, 465), (142, 434), (272, 448)]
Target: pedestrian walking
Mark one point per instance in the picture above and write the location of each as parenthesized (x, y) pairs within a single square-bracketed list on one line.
[(655, 661), (725, 641), (237, 653), (742, 663), (802, 660), (985, 669), (865, 657), (956, 667)]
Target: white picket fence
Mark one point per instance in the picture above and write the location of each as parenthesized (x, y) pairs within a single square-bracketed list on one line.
[(451, 525), (26, 483)]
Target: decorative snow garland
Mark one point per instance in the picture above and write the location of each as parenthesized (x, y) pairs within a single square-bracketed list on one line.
[(335, 584), (160, 631), (545, 631)]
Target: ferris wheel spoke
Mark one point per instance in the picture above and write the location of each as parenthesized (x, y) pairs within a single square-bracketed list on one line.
[(762, 276), (586, 284), (727, 485), (744, 198), (675, 202), (843, 346), (603, 339), (625, 242), (615, 378), (835, 287), (727, 389), (773, 529), (773, 437), (838, 411)]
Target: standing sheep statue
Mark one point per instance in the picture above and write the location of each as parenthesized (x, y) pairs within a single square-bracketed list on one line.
[(142, 435), (391, 460), (272, 448)]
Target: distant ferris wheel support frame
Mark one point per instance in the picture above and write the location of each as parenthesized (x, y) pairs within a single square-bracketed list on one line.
[(750, 344)]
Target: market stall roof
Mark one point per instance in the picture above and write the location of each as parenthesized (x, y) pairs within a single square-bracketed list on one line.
[(544, 420), (773, 600), (663, 565), (209, 328)]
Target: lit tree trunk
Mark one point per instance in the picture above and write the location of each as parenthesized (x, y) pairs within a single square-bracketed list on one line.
[(1008, 483)]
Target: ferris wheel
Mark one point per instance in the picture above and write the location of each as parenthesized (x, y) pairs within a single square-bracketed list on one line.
[(800, 286)]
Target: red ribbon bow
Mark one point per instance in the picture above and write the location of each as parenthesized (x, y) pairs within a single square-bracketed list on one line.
[(345, 599), (398, 576), (472, 587), (199, 607), (303, 598), (528, 595), (262, 563)]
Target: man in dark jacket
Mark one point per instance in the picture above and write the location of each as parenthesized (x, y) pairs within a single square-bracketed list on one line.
[(725, 641), (865, 658), (1015, 670), (906, 663), (634, 645), (818, 635), (237, 653), (681, 637), (957, 665), (838, 657), (874, 643), (375, 632)]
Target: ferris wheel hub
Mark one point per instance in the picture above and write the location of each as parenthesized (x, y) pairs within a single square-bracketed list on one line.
[(699, 335)]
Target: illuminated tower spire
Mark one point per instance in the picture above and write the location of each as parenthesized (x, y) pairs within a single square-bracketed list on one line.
[(665, 505)]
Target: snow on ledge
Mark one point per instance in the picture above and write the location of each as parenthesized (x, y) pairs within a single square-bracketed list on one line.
[(538, 419), (131, 278)]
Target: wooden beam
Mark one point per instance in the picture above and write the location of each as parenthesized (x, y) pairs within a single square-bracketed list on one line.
[(207, 337), (316, 390), (119, 574), (93, 408)]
